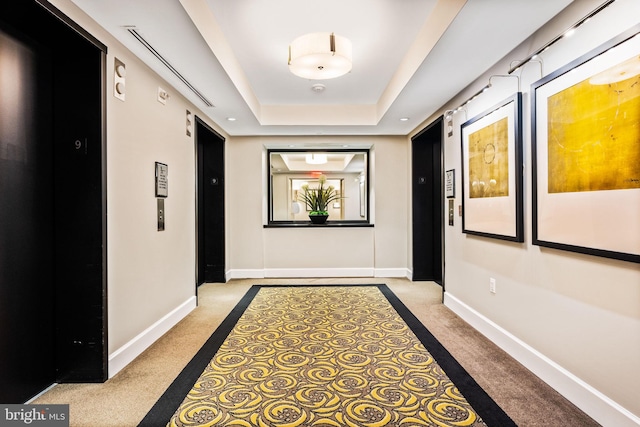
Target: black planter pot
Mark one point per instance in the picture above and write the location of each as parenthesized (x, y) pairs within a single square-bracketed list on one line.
[(318, 219)]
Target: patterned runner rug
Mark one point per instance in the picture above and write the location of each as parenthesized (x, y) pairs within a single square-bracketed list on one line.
[(325, 356)]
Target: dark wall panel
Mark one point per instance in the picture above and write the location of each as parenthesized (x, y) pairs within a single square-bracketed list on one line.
[(26, 226), (427, 203), (211, 232), (52, 204), (80, 315)]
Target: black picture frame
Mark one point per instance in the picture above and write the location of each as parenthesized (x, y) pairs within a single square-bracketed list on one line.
[(492, 205), (603, 218)]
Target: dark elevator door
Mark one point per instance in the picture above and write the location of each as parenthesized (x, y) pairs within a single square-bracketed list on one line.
[(26, 228), (52, 203), (211, 235), (426, 163)]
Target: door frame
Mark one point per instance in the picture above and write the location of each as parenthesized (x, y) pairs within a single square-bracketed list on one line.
[(200, 261), (78, 375), (437, 171)]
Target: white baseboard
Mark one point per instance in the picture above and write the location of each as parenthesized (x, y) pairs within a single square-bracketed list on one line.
[(41, 393), (245, 274), (317, 272), (125, 354), (392, 272), (595, 404)]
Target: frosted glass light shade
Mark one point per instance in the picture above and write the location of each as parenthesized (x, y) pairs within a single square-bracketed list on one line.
[(319, 56), (316, 159)]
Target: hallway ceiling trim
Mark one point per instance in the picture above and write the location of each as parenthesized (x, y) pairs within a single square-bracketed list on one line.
[(409, 57)]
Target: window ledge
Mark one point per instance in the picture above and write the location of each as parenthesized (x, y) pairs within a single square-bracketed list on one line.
[(329, 224)]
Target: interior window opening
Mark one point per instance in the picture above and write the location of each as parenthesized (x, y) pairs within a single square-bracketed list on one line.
[(305, 183)]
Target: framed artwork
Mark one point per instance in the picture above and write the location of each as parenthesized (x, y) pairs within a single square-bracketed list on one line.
[(586, 155), (450, 183), (492, 172), (162, 182)]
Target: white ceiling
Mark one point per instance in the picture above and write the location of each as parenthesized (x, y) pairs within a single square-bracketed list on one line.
[(409, 56)]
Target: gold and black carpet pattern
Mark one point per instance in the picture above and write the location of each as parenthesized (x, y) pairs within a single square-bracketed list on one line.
[(326, 356)]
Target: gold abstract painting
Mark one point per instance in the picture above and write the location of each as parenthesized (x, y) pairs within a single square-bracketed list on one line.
[(489, 161), (594, 132)]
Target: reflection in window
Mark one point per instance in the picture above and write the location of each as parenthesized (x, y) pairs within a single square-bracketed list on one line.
[(345, 171)]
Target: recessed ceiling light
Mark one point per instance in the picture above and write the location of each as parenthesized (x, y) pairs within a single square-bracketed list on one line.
[(404, 119), (231, 119)]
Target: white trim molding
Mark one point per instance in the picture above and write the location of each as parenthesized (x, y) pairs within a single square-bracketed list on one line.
[(256, 273), (393, 272), (125, 354), (595, 404), (316, 272)]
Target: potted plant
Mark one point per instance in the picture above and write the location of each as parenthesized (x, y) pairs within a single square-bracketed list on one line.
[(317, 199)]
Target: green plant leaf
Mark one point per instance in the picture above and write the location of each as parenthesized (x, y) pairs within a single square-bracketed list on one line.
[(317, 199)]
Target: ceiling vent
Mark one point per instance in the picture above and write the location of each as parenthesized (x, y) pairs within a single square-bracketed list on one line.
[(155, 53)]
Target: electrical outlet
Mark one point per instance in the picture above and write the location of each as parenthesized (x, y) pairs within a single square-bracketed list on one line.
[(492, 285)]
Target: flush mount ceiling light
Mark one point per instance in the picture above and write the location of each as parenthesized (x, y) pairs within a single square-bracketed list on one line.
[(319, 56), (316, 159)]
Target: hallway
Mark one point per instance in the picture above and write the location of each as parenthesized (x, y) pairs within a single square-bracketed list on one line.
[(125, 399)]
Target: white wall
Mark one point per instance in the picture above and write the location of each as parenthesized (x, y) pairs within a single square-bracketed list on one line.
[(151, 274), (256, 251), (572, 319)]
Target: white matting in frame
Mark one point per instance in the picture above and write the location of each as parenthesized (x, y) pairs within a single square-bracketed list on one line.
[(492, 172), (586, 161)]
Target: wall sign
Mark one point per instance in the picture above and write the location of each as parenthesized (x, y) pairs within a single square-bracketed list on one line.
[(450, 183), (162, 183)]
